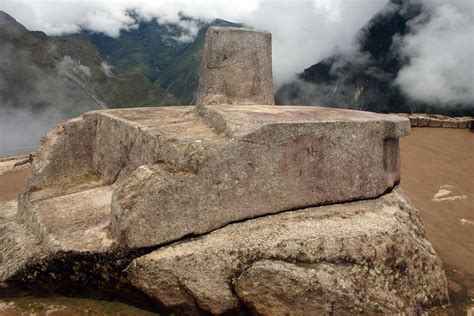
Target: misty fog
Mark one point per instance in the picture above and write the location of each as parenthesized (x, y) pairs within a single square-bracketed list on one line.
[(33, 100)]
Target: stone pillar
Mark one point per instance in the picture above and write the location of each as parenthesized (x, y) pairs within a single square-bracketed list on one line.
[(236, 67)]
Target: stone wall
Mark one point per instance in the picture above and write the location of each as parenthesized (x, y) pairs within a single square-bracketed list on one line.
[(440, 121)]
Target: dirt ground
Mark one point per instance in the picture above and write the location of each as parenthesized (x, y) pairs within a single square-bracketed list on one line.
[(442, 160), (437, 175), (11, 184)]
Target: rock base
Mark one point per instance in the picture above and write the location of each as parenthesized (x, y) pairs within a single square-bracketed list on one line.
[(368, 256)]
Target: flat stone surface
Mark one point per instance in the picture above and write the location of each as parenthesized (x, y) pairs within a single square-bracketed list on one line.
[(236, 67), (240, 122), (367, 256), (75, 222)]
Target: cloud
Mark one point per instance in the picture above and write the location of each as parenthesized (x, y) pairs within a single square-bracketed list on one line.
[(440, 51), (33, 99), (107, 69), (436, 57), (60, 17), (304, 31), (21, 129), (439, 48), (190, 28)]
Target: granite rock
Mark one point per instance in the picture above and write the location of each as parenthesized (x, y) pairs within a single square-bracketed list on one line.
[(450, 123), (367, 256), (114, 182), (236, 67), (413, 120), (436, 122), (253, 161)]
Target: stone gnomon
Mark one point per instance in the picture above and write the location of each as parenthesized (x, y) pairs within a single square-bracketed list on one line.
[(116, 199)]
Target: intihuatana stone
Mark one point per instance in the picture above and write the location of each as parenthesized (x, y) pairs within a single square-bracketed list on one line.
[(129, 188), (151, 176)]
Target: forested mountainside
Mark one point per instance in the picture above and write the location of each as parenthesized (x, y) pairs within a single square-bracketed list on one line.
[(167, 56)]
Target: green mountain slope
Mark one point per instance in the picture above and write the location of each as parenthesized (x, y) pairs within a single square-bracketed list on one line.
[(155, 50)]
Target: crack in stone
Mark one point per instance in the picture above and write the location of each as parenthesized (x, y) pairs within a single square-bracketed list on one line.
[(9, 220), (127, 158), (220, 66)]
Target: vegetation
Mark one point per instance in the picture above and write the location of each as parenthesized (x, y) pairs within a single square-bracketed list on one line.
[(156, 51)]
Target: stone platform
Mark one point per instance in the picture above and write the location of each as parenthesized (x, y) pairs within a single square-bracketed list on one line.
[(176, 172)]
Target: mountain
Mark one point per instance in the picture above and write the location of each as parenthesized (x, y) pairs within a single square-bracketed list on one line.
[(364, 79), (67, 73), (47, 79), (151, 65), (165, 53)]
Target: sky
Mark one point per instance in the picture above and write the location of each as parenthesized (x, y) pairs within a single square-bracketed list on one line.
[(440, 46), (303, 31), (441, 53)]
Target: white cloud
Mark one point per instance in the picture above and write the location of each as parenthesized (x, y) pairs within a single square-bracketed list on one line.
[(304, 31), (61, 16), (107, 69), (441, 54), (191, 29), (439, 49)]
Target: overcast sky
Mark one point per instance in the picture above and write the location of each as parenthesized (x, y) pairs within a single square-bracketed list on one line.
[(440, 48), (304, 31)]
